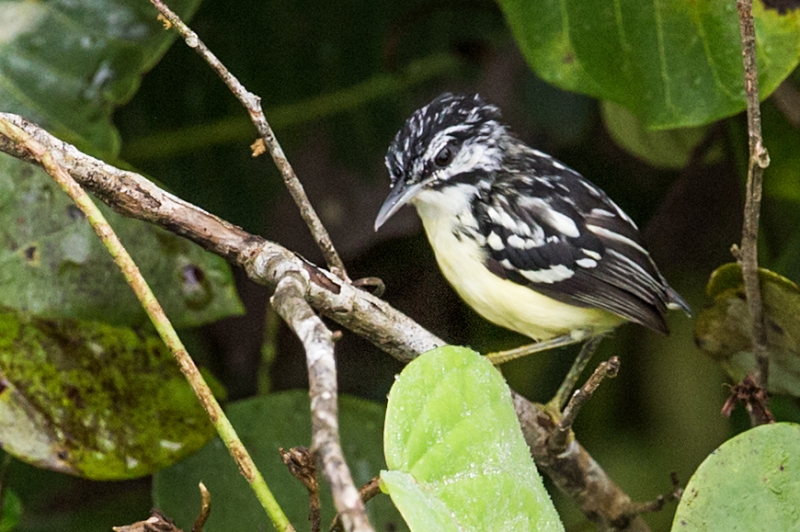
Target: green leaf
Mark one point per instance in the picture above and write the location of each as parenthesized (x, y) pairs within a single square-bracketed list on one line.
[(457, 456), (751, 482), (66, 65), (667, 149), (724, 330), (674, 64), (93, 400), (12, 511), (264, 424), (54, 265)]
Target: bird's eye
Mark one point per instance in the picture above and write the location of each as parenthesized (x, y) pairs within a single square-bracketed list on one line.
[(444, 156)]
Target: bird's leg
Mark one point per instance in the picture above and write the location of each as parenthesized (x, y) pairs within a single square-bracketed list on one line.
[(574, 337), (561, 397)]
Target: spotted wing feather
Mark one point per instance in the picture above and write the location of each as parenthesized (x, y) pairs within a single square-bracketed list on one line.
[(589, 256)]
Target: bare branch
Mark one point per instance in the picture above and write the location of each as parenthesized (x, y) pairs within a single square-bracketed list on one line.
[(157, 522), (568, 384), (289, 301), (205, 509), (301, 464), (754, 398), (367, 492), (252, 103), (657, 504), (759, 160), (606, 370), (576, 473)]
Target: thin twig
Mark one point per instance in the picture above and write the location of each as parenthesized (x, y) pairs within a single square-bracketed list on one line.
[(252, 103), (301, 464), (157, 522), (754, 398), (606, 370), (157, 316), (205, 509), (657, 504), (568, 384), (289, 301), (367, 492), (574, 472), (758, 161)]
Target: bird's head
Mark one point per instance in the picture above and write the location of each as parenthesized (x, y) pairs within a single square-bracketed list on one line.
[(452, 141)]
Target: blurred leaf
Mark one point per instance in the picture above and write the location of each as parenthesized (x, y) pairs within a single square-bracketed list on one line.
[(52, 263), (93, 400), (456, 451), (65, 65), (673, 64), (782, 140), (751, 482), (666, 149), (264, 424), (12, 511), (724, 331)]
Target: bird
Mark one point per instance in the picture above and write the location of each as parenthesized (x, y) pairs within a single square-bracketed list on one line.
[(527, 242)]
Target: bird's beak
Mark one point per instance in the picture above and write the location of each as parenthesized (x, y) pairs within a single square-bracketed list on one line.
[(399, 196)]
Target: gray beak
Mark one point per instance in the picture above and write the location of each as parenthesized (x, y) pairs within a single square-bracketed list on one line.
[(399, 196)]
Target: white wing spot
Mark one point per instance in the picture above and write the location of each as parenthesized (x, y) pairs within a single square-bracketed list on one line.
[(611, 235), (593, 254), (553, 274), (602, 212), (622, 214), (522, 243), (494, 241), (586, 263), (593, 190), (558, 221)]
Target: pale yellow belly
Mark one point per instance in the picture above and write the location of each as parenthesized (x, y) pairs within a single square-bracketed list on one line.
[(506, 303)]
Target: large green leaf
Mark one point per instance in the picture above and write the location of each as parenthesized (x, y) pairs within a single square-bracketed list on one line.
[(674, 64), (93, 400), (66, 65), (751, 482), (457, 457), (52, 263), (264, 424), (724, 331)]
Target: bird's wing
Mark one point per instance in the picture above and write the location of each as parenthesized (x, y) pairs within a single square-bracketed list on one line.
[(558, 234)]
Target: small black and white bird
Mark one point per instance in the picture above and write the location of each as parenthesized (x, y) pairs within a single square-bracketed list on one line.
[(527, 242)]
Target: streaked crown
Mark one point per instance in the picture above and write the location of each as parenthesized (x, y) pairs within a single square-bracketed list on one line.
[(443, 134)]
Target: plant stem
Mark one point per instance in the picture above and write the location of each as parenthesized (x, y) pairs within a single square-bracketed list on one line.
[(758, 161)]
